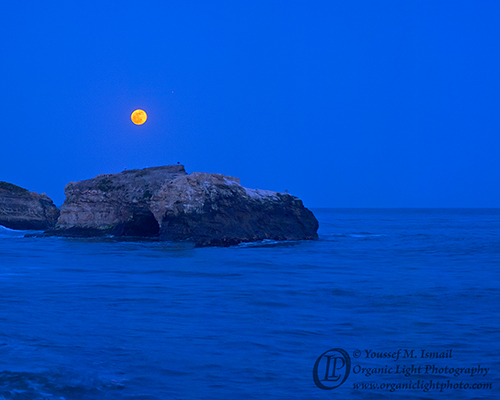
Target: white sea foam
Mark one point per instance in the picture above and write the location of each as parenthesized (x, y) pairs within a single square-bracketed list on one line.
[(269, 243), (365, 235), (4, 228), (12, 233)]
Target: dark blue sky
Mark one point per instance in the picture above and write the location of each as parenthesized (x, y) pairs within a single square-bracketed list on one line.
[(343, 103)]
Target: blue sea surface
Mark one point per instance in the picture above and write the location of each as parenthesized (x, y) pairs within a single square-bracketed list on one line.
[(108, 319)]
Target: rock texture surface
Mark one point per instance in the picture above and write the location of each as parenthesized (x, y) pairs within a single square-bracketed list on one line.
[(166, 202), (114, 204), (22, 209), (215, 210)]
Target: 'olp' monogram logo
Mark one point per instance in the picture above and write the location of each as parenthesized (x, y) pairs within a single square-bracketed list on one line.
[(331, 369)]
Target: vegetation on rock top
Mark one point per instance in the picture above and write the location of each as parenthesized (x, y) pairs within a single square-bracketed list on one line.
[(13, 188)]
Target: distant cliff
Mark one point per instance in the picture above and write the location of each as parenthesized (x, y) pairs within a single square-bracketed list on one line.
[(22, 209), (166, 202)]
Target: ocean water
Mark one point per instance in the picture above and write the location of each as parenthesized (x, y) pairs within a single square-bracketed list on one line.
[(107, 319)]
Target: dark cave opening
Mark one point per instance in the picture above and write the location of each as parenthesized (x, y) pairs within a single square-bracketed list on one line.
[(142, 224)]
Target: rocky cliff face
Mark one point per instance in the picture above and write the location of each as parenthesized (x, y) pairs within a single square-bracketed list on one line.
[(115, 204), (215, 210), (22, 209), (166, 202)]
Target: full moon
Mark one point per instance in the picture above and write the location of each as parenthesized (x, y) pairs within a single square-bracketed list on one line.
[(138, 117)]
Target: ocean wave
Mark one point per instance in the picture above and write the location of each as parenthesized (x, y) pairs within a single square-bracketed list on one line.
[(365, 235), (57, 384), (269, 243), (334, 237), (4, 228), (11, 233)]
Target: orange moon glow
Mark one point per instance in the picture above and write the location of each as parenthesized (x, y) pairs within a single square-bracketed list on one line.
[(138, 117)]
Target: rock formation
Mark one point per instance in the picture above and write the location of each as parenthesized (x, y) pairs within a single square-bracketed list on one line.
[(215, 210), (166, 202), (114, 204), (22, 209)]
